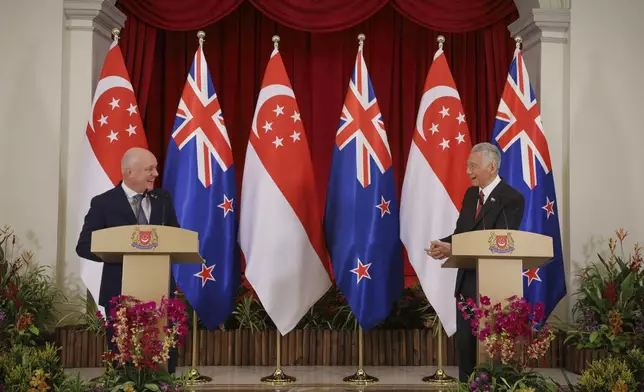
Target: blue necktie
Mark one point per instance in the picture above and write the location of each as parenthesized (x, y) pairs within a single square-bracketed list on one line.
[(140, 214)]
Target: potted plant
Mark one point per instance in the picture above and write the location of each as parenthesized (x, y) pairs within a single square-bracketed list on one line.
[(609, 312)]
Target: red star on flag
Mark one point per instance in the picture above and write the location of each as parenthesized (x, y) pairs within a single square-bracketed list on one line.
[(361, 271), (227, 205), (383, 206), (532, 274), (549, 207), (205, 274)]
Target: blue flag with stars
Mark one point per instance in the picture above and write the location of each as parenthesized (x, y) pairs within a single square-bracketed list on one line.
[(200, 175), (526, 166), (361, 219)]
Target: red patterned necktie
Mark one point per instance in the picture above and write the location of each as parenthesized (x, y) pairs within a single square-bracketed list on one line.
[(479, 204)]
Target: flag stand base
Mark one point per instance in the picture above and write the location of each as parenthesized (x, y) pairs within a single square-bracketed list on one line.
[(360, 378), (440, 378), (195, 378), (278, 378)]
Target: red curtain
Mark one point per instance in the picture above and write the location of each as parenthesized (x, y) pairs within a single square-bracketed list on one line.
[(455, 16), (398, 53)]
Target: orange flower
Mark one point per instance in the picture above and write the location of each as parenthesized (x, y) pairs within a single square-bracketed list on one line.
[(620, 386), (24, 321), (621, 234), (616, 322)]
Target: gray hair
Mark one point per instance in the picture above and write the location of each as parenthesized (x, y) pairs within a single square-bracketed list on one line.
[(491, 153)]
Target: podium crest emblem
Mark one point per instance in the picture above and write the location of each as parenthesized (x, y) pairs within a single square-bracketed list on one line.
[(501, 243), (145, 240)]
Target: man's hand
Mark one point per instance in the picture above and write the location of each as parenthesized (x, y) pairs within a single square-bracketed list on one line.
[(439, 250)]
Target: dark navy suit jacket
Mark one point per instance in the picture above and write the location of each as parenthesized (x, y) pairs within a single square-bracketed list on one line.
[(502, 210), (111, 209)]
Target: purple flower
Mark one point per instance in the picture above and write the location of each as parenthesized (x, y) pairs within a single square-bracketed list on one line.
[(2, 315), (164, 387), (473, 386), (639, 326)]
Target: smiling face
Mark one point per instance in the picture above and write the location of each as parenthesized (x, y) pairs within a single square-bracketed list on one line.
[(480, 169), (140, 170)]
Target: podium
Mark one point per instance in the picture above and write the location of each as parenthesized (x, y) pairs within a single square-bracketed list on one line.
[(499, 257), (147, 254)]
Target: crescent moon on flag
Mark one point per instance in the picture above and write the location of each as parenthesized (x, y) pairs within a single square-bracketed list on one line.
[(269, 92), (431, 96), (103, 86)]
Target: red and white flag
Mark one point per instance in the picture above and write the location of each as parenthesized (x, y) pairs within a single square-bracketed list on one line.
[(280, 229), (434, 185), (113, 128)]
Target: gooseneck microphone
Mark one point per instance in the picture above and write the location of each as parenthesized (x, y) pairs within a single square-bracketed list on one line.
[(164, 197), (505, 218)]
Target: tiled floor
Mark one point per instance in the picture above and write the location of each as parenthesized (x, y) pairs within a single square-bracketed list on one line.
[(319, 378)]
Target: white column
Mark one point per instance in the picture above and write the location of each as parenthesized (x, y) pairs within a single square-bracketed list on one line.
[(86, 40), (546, 52)]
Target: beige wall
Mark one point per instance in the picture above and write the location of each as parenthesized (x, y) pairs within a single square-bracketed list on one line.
[(31, 44), (606, 131)]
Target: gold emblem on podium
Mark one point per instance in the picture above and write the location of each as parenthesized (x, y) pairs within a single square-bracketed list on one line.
[(145, 239), (501, 243)]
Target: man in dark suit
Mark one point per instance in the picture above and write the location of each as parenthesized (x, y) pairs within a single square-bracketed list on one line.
[(489, 204), (133, 201)]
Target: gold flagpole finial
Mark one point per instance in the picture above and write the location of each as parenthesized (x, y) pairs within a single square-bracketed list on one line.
[(116, 33), (201, 35)]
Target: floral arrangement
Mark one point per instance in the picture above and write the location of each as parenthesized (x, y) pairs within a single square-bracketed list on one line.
[(609, 311), (28, 295), (515, 337), (141, 349)]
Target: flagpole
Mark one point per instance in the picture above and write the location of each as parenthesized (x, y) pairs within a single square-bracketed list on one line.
[(440, 378), (278, 377), (194, 377), (360, 377)]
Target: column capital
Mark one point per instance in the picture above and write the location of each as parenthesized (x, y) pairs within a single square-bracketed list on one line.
[(100, 16), (542, 25)]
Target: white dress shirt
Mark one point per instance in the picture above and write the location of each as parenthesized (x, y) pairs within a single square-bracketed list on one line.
[(489, 188), (145, 203)]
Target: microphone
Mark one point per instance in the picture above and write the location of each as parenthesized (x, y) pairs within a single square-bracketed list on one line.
[(164, 199), (505, 218)]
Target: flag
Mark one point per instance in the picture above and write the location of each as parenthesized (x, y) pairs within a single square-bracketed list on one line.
[(361, 218), (434, 185), (199, 173), (526, 166), (280, 228), (114, 127)]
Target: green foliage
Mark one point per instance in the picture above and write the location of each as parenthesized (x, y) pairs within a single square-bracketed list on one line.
[(610, 307), (28, 296), (634, 358), (129, 379), (23, 365), (603, 375), (504, 378)]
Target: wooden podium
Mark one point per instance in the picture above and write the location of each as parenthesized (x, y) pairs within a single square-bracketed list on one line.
[(499, 257), (147, 254)]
